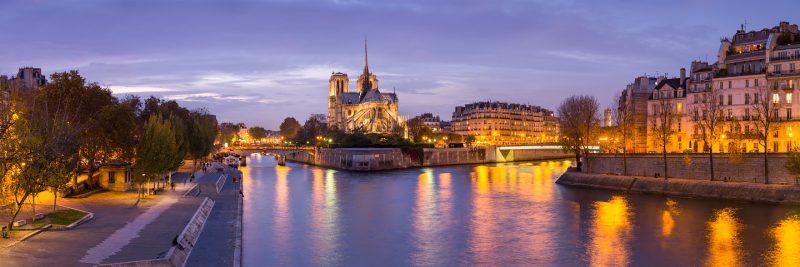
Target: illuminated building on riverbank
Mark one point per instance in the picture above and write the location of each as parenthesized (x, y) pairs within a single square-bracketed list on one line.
[(498, 123)]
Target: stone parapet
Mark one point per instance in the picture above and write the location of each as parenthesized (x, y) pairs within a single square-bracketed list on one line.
[(755, 192), (750, 168)]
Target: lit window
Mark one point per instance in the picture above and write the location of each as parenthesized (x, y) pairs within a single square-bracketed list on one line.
[(776, 98), (680, 107), (788, 98)]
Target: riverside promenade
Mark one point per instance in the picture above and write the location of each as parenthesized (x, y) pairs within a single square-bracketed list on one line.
[(120, 230), (221, 235)]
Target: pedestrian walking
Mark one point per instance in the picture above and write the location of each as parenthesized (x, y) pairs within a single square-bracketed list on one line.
[(172, 184)]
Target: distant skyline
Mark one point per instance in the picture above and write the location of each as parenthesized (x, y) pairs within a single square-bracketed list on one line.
[(259, 61)]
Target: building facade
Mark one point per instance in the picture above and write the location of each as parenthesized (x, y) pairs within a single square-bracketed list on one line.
[(633, 101), (667, 103), (497, 123), (753, 68), (368, 109), (433, 122)]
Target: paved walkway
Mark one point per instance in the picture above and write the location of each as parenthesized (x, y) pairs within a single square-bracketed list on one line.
[(218, 240), (120, 231)]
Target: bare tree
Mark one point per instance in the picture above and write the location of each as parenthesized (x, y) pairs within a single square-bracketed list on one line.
[(662, 123), (764, 115), (624, 119), (579, 125), (709, 117)]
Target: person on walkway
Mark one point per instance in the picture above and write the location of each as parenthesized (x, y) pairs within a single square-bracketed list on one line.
[(172, 184)]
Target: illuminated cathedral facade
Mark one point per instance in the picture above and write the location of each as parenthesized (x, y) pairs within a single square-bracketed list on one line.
[(367, 109)]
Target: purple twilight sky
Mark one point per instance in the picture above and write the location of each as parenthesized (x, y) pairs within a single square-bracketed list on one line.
[(259, 61)]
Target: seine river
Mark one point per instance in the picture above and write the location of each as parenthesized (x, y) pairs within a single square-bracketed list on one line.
[(494, 215)]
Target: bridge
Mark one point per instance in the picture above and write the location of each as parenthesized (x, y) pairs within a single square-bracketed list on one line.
[(277, 150)]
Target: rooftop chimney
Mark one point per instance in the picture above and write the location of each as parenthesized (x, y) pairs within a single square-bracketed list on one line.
[(683, 76)]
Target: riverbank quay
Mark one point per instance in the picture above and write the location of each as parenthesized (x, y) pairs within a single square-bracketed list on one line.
[(747, 168), (379, 159), (220, 242), (680, 187), (120, 231)]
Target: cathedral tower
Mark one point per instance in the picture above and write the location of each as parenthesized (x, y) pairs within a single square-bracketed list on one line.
[(339, 83)]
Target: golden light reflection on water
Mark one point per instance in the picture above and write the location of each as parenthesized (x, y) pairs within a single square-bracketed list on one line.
[(482, 239), (786, 251), (503, 188), (667, 220), (611, 233), (724, 244), (426, 218), (281, 215)]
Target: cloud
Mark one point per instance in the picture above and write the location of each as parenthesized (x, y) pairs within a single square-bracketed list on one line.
[(216, 97), (596, 58), (122, 89)]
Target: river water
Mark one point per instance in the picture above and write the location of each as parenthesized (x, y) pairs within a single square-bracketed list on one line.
[(494, 215)]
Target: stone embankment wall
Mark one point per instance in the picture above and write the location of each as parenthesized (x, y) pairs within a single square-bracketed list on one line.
[(749, 169), (371, 159), (755, 192)]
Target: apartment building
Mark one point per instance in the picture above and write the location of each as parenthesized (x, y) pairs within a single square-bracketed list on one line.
[(498, 123)]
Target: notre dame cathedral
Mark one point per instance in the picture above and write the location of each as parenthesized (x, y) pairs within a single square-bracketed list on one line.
[(367, 109)]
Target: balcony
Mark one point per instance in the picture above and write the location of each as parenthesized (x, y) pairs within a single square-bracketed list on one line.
[(786, 73), (755, 55), (785, 87)]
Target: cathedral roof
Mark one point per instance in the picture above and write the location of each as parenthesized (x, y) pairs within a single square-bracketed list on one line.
[(373, 95)]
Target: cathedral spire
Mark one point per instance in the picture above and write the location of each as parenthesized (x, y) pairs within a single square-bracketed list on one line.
[(366, 84), (366, 62)]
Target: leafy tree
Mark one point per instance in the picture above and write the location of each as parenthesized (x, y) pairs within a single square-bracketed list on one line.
[(454, 138), (414, 125), (423, 134), (228, 133), (469, 140), (179, 131), (204, 132), (289, 128), (156, 151), (257, 133), (310, 131), (46, 150), (579, 124)]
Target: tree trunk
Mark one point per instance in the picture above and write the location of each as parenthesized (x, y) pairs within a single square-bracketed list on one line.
[(33, 208), (624, 163), (711, 160), (55, 197), (766, 168), (586, 157), (75, 182), (664, 154), (16, 211)]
